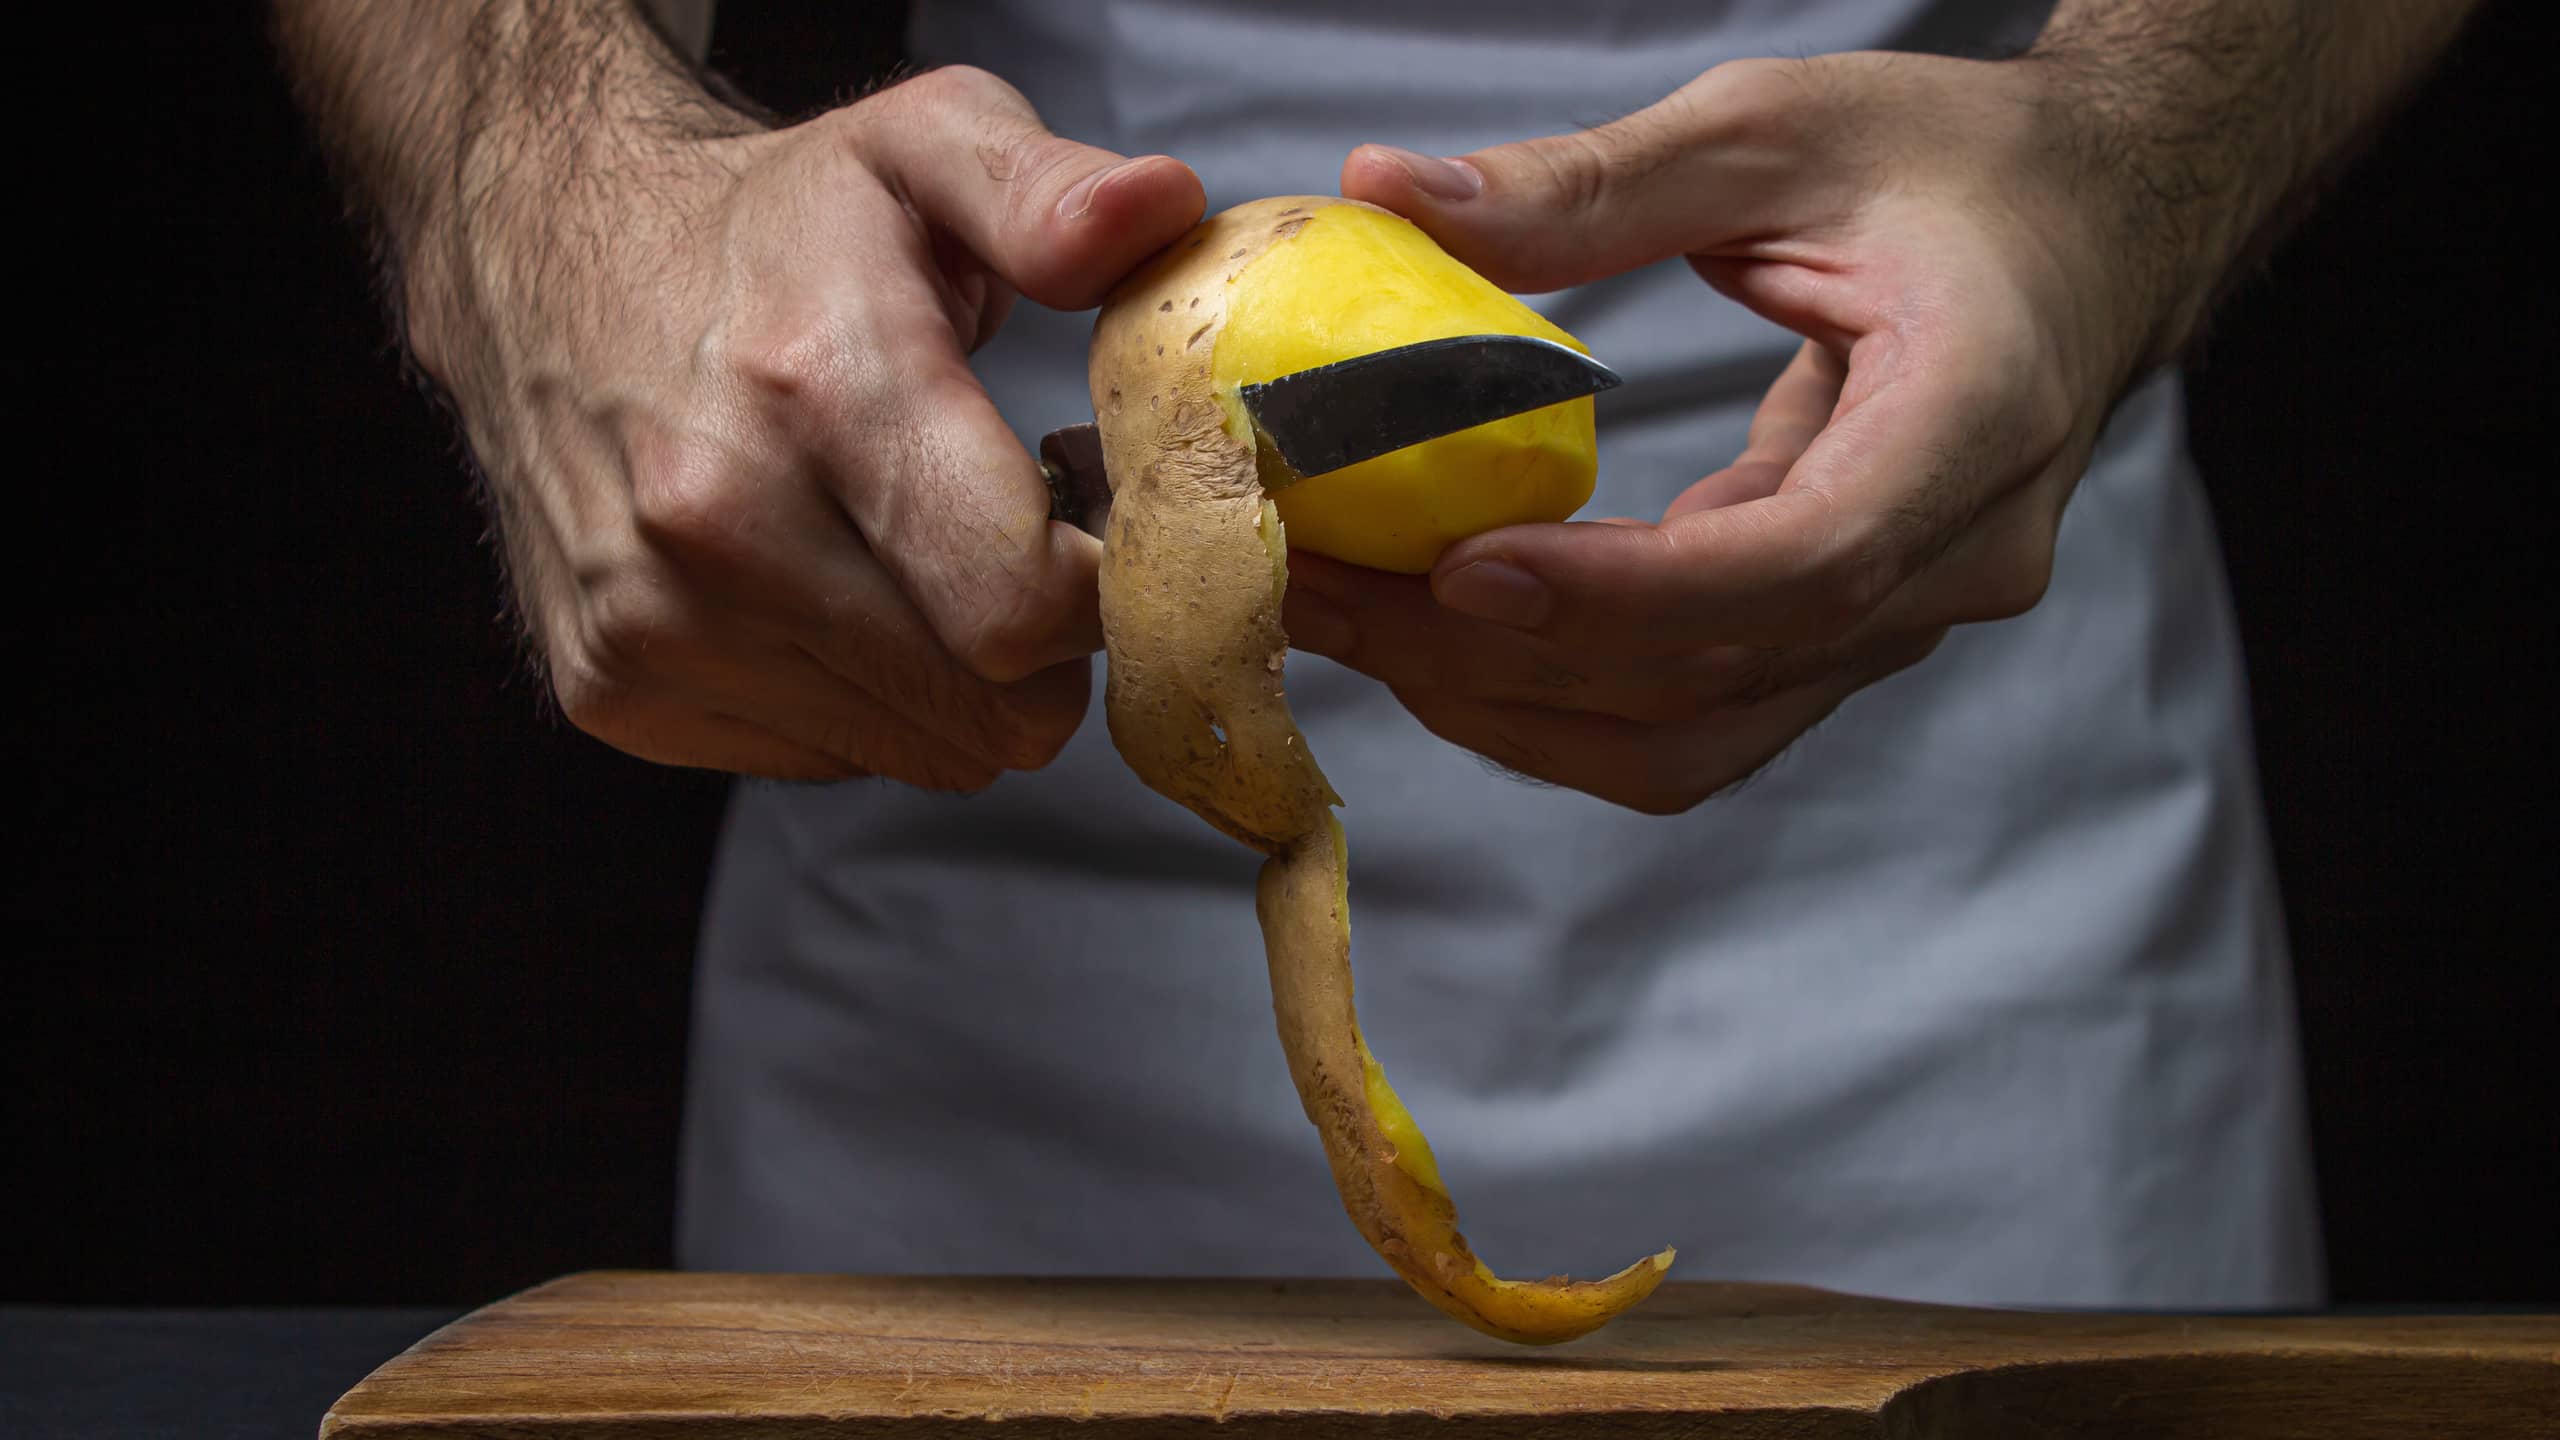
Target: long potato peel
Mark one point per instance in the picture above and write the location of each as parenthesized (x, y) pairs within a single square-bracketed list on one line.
[(1195, 563)]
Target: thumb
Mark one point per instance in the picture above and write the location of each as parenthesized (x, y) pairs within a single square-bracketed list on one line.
[(1060, 222), (1681, 176)]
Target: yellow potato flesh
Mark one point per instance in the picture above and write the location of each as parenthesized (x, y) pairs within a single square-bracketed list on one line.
[(1194, 567), (1355, 281)]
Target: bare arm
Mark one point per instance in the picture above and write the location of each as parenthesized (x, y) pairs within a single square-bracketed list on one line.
[(2203, 129), (384, 91), (447, 122)]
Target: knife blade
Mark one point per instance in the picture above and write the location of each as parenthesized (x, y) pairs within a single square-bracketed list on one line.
[(1330, 417)]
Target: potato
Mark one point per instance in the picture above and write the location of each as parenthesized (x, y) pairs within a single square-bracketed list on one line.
[(1195, 562), (1353, 281)]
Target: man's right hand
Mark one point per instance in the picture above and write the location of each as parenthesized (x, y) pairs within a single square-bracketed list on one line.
[(760, 515)]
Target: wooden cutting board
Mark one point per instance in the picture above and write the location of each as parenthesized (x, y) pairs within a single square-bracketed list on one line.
[(757, 1357)]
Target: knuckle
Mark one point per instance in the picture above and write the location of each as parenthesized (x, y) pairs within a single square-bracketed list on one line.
[(955, 102), (997, 653), (590, 697), (1753, 86), (1778, 97), (926, 90), (688, 495), (1006, 640), (790, 364), (1030, 736), (958, 87), (1745, 76), (1043, 713), (622, 618), (2018, 587), (2050, 415), (1574, 170)]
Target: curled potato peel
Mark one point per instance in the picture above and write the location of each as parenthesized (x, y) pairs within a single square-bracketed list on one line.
[(1194, 566)]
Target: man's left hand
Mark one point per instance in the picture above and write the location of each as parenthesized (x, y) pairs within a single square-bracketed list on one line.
[(1968, 320)]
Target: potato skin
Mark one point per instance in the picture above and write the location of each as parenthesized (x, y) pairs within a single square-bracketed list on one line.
[(1194, 566), (1304, 902), (1191, 586)]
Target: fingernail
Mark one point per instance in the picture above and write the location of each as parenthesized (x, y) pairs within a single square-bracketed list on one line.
[(1318, 625), (1079, 196), (1440, 179), (1492, 590)]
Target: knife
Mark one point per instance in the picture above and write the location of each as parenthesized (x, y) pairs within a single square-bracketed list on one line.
[(1317, 421)]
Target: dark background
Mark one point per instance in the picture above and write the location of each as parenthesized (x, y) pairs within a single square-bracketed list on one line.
[(348, 975)]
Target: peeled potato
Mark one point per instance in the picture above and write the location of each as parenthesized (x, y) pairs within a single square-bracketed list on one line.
[(1353, 281), (1195, 561)]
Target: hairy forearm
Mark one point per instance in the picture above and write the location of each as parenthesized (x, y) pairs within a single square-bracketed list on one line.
[(2205, 127), (445, 119)]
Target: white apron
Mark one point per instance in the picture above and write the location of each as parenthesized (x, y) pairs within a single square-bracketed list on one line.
[(1978, 995)]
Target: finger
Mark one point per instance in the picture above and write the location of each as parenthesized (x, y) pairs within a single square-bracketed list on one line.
[(1390, 628), (1794, 411), (670, 689), (643, 671), (983, 302), (1696, 171), (669, 732), (741, 747), (1902, 466), (1658, 770), (1021, 726), (907, 444), (870, 636), (795, 696), (1059, 221), (782, 552), (956, 513), (1999, 567)]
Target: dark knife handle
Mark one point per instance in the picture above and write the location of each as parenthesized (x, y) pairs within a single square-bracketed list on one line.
[(1079, 488)]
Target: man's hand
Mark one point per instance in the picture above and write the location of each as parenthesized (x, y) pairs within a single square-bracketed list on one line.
[(1981, 259), (1905, 474), (759, 514)]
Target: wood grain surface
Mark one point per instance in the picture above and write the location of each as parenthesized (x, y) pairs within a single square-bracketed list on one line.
[(613, 1356)]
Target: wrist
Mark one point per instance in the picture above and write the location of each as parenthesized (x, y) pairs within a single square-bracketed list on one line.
[(2168, 190), (565, 133), (2200, 129)]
